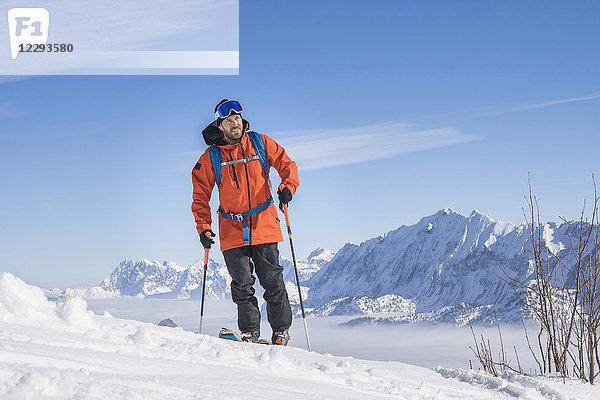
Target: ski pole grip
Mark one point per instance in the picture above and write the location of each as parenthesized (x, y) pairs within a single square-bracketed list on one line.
[(287, 217), (206, 256)]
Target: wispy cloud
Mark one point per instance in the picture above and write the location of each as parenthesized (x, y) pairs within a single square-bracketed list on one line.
[(7, 109), (540, 105), (328, 148), (133, 24), (12, 78)]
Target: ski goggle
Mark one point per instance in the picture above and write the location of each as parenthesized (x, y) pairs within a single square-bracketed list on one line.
[(225, 109)]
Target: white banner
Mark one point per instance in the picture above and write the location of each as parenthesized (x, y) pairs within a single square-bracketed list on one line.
[(124, 37)]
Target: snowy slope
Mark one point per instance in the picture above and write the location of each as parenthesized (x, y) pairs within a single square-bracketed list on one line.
[(63, 351)]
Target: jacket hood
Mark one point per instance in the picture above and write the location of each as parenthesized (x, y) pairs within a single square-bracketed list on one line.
[(213, 135)]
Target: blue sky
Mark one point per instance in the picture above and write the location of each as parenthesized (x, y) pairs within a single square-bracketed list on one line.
[(395, 109)]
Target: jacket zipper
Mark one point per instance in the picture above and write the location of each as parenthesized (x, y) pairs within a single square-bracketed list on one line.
[(249, 203), (234, 174)]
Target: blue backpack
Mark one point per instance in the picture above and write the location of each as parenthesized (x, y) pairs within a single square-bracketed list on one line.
[(259, 149), (217, 164)]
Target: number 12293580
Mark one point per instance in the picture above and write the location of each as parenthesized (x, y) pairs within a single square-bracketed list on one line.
[(46, 48)]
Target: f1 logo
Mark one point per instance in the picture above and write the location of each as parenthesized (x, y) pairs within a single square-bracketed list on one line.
[(27, 26)]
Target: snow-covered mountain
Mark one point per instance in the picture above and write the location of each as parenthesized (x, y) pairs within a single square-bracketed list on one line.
[(167, 279), (306, 268), (444, 264), (142, 277), (189, 285), (442, 269), (151, 278), (392, 305)]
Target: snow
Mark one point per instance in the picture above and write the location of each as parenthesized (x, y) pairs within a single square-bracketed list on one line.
[(22, 302), (523, 387), (321, 254), (421, 344), (448, 211), (548, 236), (384, 306), (306, 268), (90, 292), (62, 350)]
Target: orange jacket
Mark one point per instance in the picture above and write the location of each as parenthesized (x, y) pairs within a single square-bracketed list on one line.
[(243, 186)]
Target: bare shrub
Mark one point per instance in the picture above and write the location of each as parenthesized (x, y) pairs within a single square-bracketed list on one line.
[(562, 293), (484, 354)]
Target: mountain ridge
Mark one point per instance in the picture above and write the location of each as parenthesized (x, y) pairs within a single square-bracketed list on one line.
[(446, 261), (441, 269), (146, 278)]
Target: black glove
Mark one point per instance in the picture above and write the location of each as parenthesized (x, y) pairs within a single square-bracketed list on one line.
[(285, 196), (205, 240)]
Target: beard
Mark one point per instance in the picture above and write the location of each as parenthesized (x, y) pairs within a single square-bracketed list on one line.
[(234, 133)]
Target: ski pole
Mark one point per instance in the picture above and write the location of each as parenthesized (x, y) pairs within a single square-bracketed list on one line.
[(289, 229), (203, 288)]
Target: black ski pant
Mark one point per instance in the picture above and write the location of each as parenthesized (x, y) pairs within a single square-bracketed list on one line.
[(264, 258)]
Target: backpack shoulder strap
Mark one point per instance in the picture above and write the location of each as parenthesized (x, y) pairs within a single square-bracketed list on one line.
[(215, 158), (259, 148)]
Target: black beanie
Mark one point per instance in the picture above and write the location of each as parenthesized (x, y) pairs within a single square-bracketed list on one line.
[(221, 102)]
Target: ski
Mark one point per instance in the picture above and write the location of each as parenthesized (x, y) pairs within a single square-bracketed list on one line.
[(229, 334)]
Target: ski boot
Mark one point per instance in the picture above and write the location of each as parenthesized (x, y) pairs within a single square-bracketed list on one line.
[(281, 338), (251, 336)]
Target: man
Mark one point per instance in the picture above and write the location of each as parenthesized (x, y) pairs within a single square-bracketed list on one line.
[(238, 160)]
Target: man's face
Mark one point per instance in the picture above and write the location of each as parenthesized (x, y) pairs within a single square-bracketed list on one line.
[(232, 128)]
